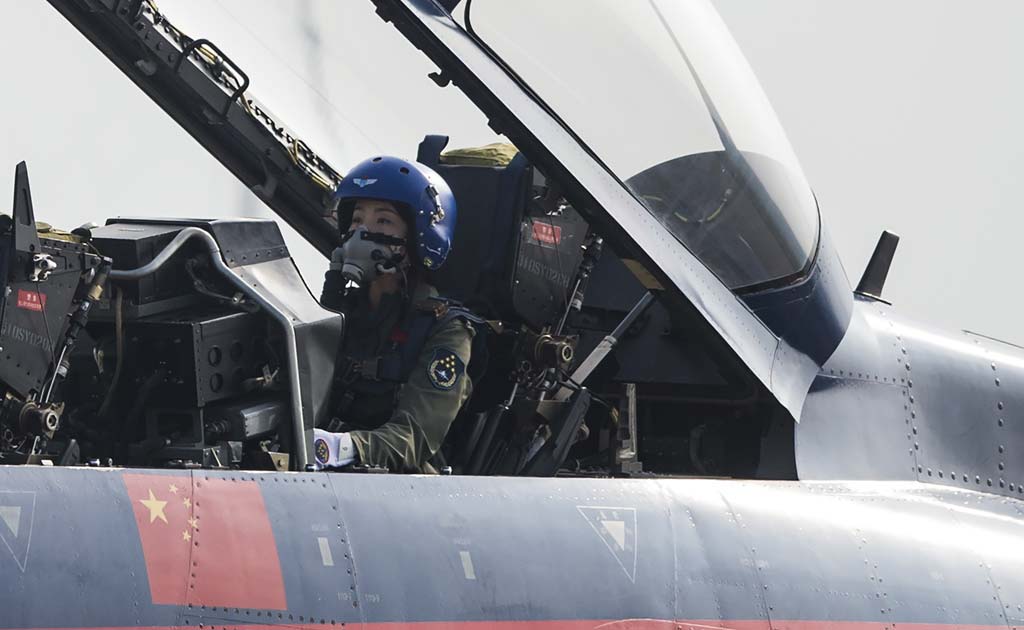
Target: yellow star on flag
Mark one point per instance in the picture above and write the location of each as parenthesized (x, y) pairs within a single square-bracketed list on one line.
[(173, 489), (155, 507), (186, 536), (194, 522), (187, 501)]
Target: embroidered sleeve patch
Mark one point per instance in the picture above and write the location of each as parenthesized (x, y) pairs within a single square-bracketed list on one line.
[(444, 369), (322, 451)]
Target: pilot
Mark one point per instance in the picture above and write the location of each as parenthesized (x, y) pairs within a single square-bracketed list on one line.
[(400, 376)]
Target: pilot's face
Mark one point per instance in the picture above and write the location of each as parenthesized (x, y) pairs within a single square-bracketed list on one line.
[(378, 216)]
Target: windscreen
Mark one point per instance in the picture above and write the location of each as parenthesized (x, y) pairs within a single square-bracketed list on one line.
[(660, 93)]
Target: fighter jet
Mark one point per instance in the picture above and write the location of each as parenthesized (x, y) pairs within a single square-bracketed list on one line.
[(691, 417)]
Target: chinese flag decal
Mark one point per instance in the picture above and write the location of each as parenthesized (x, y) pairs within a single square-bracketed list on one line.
[(210, 544)]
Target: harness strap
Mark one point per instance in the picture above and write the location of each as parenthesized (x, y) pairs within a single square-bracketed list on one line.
[(384, 372)]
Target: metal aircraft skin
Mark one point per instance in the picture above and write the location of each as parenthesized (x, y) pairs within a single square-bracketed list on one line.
[(855, 471)]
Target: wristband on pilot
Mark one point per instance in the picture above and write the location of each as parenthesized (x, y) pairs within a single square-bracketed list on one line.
[(332, 450)]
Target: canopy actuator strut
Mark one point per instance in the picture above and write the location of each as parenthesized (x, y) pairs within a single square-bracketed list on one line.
[(605, 347)]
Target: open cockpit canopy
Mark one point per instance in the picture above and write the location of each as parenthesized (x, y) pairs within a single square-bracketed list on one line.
[(660, 93), (644, 114)]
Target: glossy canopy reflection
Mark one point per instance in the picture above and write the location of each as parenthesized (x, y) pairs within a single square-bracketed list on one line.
[(661, 94)]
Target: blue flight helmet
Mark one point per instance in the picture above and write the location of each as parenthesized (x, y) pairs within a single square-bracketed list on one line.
[(423, 197)]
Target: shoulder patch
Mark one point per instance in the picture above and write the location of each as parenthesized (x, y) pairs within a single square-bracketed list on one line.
[(444, 369)]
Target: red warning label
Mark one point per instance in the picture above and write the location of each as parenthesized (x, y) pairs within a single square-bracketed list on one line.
[(31, 300), (547, 233)]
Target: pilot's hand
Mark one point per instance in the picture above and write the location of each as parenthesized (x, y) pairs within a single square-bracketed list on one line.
[(334, 283), (337, 258), (332, 450)]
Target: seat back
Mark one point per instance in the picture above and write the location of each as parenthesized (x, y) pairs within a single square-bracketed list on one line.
[(491, 200)]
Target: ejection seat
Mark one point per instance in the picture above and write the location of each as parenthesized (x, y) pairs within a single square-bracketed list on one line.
[(510, 261), (491, 193)]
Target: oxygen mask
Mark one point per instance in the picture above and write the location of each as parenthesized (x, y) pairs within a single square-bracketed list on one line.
[(365, 254)]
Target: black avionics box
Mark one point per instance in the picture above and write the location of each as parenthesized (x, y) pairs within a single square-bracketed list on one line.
[(133, 242), (132, 246)]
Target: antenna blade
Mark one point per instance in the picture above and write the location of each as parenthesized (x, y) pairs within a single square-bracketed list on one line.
[(873, 280)]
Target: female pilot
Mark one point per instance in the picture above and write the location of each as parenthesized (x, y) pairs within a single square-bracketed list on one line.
[(400, 378)]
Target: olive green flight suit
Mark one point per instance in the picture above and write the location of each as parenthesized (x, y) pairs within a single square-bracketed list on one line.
[(401, 427), (423, 411)]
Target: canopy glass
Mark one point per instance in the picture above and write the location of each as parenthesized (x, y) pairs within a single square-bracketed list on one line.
[(661, 94)]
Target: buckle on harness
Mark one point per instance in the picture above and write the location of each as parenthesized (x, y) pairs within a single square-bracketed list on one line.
[(369, 368), (437, 308)]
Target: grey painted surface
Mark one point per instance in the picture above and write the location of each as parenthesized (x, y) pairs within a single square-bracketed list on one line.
[(900, 400), (402, 548)]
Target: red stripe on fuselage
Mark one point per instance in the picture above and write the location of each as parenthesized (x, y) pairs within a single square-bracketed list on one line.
[(567, 624)]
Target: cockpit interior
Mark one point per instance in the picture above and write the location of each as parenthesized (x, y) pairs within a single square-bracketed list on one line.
[(625, 335), (181, 362)]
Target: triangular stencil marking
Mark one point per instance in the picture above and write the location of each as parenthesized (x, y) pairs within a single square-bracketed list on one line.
[(616, 527), (17, 516)]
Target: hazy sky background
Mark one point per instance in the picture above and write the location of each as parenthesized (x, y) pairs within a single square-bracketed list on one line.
[(905, 116)]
